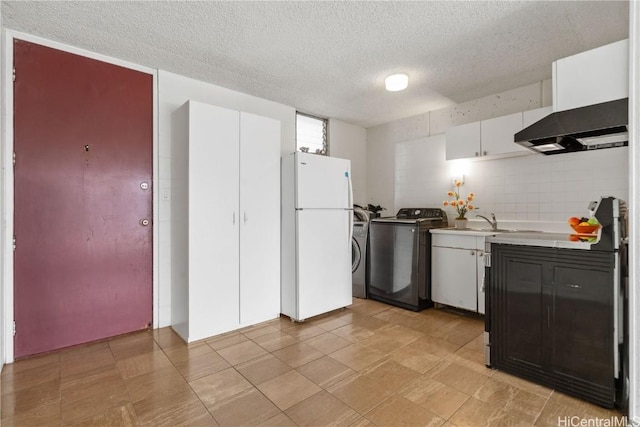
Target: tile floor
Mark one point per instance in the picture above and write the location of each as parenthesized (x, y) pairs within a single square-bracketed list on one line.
[(369, 364)]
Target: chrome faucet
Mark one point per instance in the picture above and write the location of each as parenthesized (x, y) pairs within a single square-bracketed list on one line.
[(493, 221)]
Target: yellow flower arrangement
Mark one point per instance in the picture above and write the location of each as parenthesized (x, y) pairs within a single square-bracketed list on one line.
[(461, 204)]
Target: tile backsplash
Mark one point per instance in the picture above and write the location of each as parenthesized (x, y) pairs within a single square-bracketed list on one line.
[(531, 187)]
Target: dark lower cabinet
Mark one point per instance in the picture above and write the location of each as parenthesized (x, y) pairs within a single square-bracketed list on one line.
[(552, 318)]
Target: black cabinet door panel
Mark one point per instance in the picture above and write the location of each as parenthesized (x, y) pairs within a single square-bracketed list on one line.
[(582, 323), (523, 318)]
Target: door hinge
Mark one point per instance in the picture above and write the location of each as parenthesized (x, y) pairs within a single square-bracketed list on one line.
[(14, 74), (14, 243), (14, 158), (14, 328), (487, 259)]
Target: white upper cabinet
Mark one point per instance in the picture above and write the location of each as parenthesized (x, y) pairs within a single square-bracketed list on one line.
[(591, 77), (496, 135), (463, 141), (489, 139)]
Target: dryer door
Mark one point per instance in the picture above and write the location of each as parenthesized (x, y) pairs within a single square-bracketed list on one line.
[(356, 255)]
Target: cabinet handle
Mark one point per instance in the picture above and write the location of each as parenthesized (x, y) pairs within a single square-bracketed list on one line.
[(573, 285), (245, 217), (480, 253), (477, 154), (548, 317), (234, 218), (473, 253), (487, 259), (484, 153)]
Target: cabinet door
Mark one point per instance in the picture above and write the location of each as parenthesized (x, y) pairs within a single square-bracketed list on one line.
[(518, 313), (591, 77), (582, 326), (259, 218), (453, 277), (463, 141), (213, 221), (497, 135)]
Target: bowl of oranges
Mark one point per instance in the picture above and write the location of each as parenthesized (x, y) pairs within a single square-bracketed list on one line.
[(584, 225)]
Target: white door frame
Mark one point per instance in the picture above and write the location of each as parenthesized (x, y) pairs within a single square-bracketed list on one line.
[(7, 179), (634, 212)]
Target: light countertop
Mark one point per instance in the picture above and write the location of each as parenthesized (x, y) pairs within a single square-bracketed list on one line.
[(464, 232), (525, 233), (548, 240)]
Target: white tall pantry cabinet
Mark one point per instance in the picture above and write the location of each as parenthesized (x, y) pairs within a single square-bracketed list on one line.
[(225, 212)]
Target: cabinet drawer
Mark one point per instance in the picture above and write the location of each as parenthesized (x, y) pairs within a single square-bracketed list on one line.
[(451, 241)]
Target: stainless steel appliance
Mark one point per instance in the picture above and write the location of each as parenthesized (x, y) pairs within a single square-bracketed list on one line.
[(586, 128), (399, 257), (359, 257), (573, 338)]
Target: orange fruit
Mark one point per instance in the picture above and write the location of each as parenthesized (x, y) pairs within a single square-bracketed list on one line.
[(574, 220), (574, 238), (584, 223)]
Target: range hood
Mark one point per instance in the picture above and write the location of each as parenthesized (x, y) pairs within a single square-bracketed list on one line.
[(586, 128)]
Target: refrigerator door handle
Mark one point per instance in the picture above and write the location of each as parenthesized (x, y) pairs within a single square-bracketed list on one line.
[(350, 210), (350, 204), (350, 227)]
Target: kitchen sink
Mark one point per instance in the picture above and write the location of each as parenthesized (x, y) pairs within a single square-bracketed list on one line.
[(499, 230), (507, 230)]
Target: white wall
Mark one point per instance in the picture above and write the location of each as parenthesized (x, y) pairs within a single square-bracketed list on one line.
[(175, 90), (533, 187), (382, 139), (634, 213), (380, 154), (350, 142), (3, 238)]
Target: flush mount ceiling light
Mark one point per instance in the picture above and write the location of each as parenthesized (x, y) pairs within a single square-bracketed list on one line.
[(396, 82)]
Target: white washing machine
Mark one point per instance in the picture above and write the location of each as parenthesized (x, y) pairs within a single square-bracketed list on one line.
[(359, 258)]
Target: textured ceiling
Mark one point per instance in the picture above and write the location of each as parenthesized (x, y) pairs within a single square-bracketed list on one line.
[(331, 58)]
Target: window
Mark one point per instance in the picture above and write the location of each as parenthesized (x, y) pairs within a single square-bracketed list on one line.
[(311, 134)]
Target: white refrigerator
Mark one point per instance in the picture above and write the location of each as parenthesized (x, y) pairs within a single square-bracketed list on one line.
[(317, 227)]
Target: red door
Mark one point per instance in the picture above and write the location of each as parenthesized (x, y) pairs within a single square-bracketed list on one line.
[(83, 143)]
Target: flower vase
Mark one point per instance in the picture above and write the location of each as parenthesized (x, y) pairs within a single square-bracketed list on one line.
[(461, 224)]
